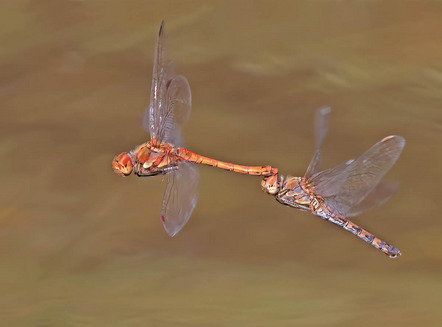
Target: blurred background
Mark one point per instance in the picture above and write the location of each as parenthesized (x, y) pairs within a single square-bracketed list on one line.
[(81, 246)]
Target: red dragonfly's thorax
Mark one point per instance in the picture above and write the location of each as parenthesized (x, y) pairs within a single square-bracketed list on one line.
[(154, 159), (146, 160)]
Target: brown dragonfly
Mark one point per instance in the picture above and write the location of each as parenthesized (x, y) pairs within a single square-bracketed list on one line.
[(164, 154), (345, 190)]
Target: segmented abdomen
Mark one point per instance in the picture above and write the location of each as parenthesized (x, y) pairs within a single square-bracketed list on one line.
[(325, 212), (249, 170)]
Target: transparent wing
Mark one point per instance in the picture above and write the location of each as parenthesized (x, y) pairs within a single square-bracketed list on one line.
[(178, 105), (378, 196), (170, 98), (180, 197), (346, 185), (330, 181), (321, 126)]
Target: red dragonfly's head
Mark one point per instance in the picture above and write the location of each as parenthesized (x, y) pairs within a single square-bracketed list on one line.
[(271, 184), (123, 164)]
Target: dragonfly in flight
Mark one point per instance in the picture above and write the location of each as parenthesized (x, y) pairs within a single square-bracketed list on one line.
[(342, 191), (164, 153)]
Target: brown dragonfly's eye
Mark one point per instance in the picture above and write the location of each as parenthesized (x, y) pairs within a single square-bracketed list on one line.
[(122, 164)]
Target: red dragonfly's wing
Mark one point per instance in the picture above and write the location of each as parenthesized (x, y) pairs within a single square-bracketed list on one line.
[(169, 109), (321, 126), (170, 99), (180, 197), (346, 185)]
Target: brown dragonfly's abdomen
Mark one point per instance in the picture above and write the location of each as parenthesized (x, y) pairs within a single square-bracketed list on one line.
[(320, 209), (293, 192), (249, 170)]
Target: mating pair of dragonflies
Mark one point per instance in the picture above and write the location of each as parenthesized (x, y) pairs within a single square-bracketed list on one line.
[(332, 194)]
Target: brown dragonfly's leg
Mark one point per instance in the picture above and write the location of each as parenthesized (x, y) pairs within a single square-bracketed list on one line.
[(287, 198)]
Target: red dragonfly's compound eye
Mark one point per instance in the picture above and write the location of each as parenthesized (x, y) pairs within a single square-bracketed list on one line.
[(122, 164)]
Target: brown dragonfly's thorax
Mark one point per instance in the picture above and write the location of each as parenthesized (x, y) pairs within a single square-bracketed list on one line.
[(154, 160), (293, 194)]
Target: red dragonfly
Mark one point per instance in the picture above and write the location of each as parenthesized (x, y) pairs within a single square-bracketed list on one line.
[(164, 154), (345, 190)]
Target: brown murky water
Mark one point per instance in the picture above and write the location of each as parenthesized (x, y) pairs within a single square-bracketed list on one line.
[(81, 246)]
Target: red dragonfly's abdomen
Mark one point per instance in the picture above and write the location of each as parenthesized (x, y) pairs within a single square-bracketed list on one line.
[(187, 155)]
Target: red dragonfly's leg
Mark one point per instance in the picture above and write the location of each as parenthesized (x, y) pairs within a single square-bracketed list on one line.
[(248, 170)]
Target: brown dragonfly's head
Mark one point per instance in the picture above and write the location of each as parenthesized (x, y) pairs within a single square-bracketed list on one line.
[(123, 164), (271, 184)]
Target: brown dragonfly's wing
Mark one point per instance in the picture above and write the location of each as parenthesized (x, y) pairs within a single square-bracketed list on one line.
[(346, 185), (321, 126), (180, 197), (329, 182), (378, 196), (170, 99)]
